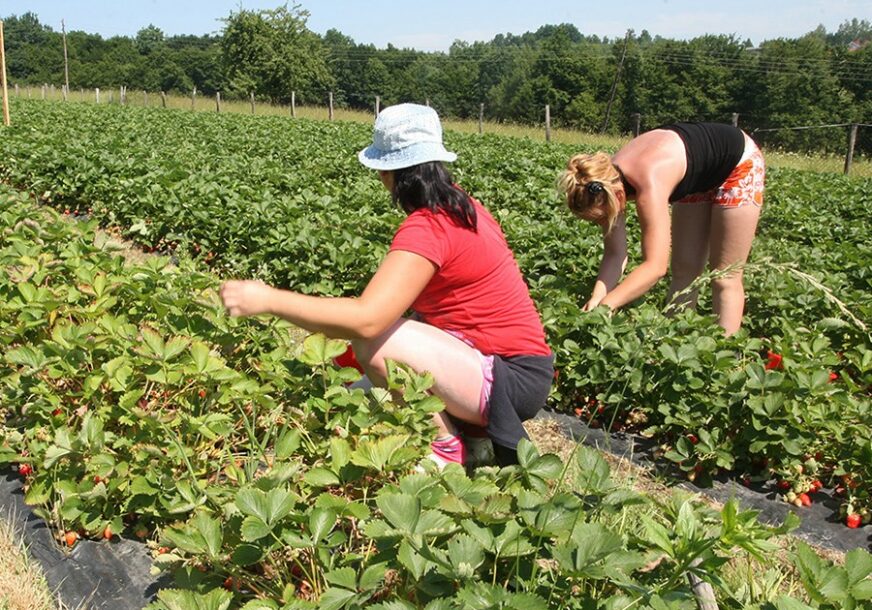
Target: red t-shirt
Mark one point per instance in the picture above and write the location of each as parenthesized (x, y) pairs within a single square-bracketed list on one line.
[(478, 290)]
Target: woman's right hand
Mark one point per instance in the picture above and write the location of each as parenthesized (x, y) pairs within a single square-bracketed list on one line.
[(592, 302)]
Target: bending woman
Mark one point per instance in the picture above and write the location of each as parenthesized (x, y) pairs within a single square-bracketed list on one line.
[(713, 176), (475, 326)]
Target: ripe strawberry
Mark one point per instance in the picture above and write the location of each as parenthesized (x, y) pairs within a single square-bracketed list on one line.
[(25, 469), (98, 479), (746, 481), (833, 377), (816, 485), (57, 412), (70, 538), (579, 412), (804, 499), (163, 550), (693, 439), (229, 583), (107, 533), (202, 393), (783, 484), (773, 361), (853, 520)]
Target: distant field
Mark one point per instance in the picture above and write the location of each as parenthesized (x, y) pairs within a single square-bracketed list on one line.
[(861, 168)]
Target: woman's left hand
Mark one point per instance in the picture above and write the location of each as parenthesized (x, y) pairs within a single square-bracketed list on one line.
[(246, 297)]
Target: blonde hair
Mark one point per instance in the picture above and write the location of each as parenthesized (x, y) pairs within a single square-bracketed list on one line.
[(589, 184)]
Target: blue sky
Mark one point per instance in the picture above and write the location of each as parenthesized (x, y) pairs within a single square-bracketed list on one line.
[(434, 25)]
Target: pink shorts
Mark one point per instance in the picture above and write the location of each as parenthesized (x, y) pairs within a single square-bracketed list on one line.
[(744, 185), (487, 375)]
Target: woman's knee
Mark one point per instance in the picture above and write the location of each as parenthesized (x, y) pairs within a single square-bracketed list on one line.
[(731, 282)]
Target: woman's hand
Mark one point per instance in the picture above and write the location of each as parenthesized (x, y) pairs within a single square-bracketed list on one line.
[(592, 302), (246, 297)]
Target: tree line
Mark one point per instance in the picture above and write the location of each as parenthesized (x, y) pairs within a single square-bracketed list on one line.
[(590, 83)]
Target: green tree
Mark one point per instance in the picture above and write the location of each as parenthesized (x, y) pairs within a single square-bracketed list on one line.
[(272, 53)]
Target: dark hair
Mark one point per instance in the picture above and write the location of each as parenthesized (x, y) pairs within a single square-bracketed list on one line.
[(430, 185)]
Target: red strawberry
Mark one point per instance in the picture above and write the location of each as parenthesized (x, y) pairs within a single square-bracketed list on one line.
[(70, 538), (579, 412), (806, 501), (57, 412), (816, 485), (833, 376), (783, 484), (853, 520), (107, 533), (746, 481), (692, 438), (774, 361), (202, 393), (25, 469)]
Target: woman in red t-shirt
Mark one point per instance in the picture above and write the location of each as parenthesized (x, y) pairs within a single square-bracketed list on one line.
[(474, 327)]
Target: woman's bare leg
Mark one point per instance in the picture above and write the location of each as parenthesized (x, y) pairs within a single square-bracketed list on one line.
[(455, 366), (732, 233), (690, 248)]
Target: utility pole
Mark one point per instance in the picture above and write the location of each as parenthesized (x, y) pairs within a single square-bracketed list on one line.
[(5, 92), (66, 61), (615, 82)]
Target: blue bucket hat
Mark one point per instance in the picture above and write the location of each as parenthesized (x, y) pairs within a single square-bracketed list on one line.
[(405, 135)]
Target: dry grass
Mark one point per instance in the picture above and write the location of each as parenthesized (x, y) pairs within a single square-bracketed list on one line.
[(862, 168), (22, 584)]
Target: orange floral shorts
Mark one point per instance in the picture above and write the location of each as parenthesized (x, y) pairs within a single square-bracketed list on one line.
[(743, 186)]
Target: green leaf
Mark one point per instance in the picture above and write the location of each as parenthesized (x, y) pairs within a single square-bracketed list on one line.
[(246, 555), (321, 477), (321, 521), (210, 529), (335, 599), (318, 349), (254, 529), (401, 511), (343, 577)]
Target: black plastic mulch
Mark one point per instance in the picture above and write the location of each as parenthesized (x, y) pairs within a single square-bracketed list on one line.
[(94, 575), (820, 525)]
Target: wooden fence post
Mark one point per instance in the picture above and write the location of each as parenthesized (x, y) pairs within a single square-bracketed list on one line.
[(163, 99), (16, 89), (377, 105), (252, 102), (97, 94), (145, 98), (330, 107), (547, 122), (735, 119), (293, 104), (193, 97), (43, 91), (5, 91), (217, 101), (481, 118), (64, 91), (702, 591), (852, 140), (637, 123), (427, 102)]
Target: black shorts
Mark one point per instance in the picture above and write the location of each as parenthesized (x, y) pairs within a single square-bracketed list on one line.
[(520, 388)]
